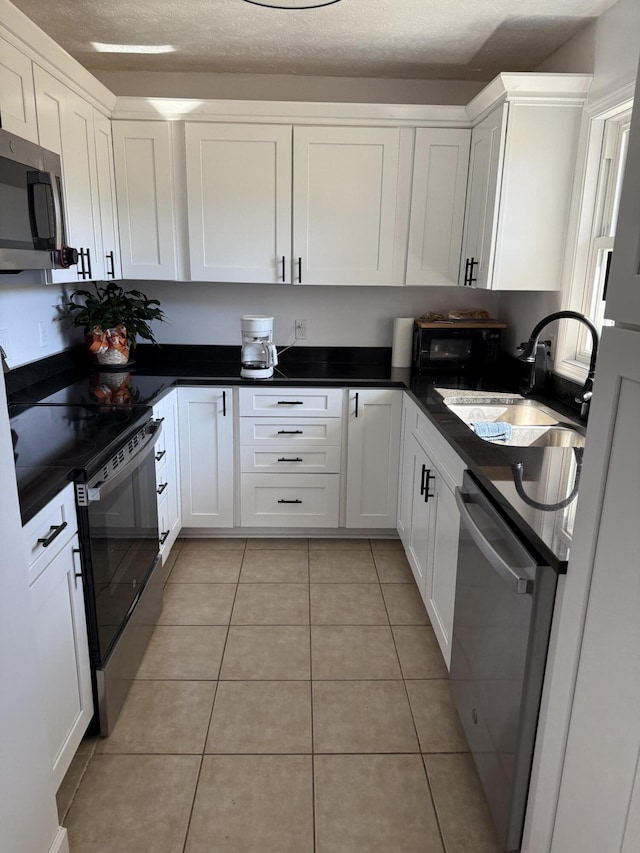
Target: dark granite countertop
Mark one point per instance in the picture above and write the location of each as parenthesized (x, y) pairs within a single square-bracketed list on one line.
[(548, 474)]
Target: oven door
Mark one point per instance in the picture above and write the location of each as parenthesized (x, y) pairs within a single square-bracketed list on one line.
[(118, 520)]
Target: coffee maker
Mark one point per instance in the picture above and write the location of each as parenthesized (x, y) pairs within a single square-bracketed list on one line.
[(258, 356)]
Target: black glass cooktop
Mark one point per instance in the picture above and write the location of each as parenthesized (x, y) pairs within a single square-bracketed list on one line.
[(51, 444)]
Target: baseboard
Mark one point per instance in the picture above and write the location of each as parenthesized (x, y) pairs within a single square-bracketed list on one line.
[(60, 842), (287, 532)]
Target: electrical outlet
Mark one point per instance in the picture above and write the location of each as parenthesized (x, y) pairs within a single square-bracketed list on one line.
[(301, 330), (42, 331), (551, 348)]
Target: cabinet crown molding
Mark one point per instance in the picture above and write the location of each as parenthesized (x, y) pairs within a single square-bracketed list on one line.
[(510, 86)]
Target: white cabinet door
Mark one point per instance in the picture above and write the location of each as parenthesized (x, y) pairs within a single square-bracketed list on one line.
[(17, 98), (345, 197), (143, 157), (442, 566), (239, 202), (168, 473), (205, 417), (108, 220), (440, 167), (373, 451), (65, 123), (481, 208), (418, 532)]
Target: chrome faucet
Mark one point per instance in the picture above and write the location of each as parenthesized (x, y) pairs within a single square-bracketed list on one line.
[(534, 352)]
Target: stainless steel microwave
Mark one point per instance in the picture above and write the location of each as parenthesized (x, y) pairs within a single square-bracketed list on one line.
[(456, 346), (32, 222)]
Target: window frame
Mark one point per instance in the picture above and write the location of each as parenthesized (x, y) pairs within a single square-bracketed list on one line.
[(594, 201)]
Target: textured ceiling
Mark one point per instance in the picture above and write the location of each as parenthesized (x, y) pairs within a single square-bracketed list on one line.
[(440, 39)]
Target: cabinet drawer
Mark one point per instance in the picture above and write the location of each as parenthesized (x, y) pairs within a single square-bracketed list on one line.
[(286, 500), (292, 431), (269, 460), (58, 515), (296, 402)]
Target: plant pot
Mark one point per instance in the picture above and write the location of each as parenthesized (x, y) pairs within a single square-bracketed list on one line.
[(109, 346)]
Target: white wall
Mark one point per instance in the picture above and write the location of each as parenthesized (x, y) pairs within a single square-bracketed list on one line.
[(201, 313), (609, 49), (24, 304), (288, 87)]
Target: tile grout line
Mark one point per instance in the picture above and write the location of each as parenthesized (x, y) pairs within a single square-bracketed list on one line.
[(313, 756), (206, 737)]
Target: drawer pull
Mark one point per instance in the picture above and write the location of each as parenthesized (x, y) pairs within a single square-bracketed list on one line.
[(161, 488), (164, 536), (75, 551), (284, 459), (160, 455), (291, 402), (54, 530), (290, 432), (283, 501)]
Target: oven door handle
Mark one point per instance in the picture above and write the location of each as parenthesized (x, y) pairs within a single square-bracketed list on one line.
[(509, 574), (96, 489)]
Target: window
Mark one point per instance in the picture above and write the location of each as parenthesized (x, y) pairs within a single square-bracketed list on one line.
[(602, 182)]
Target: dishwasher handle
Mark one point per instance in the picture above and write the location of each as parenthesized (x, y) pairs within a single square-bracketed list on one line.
[(523, 585)]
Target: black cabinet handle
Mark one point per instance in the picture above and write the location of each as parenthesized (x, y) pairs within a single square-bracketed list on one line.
[(160, 455), (82, 267), (284, 459), (423, 486), (54, 531), (77, 573), (224, 404), (283, 268), (283, 501), (290, 432), (161, 488), (111, 272), (357, 398), (429, 476), (290, 402), (163, 536), (299, 270), (89, 263), (469, 278)]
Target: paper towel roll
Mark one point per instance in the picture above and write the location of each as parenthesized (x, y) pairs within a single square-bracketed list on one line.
[(402, 342)]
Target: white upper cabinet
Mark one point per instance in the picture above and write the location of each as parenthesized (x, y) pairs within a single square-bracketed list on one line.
[(521, 173), (239, 202), (17, 98), (143, 157), (65, 125), (345, 197), (440, 166), (107, 197), (484, 164)]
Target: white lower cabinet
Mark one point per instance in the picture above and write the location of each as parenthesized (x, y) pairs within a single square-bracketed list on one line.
[(290, 444), (373, 451), (57, 604), (428, 520), (205, 420), (167, 472)]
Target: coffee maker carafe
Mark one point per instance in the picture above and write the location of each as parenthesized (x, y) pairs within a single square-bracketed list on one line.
[(258, 356)]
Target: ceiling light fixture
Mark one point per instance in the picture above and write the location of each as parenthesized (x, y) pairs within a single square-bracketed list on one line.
[(133, 48), (292, 4)]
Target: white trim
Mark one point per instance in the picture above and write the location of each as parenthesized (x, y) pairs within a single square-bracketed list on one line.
[(508, 86), (288, 112), (60, 842)]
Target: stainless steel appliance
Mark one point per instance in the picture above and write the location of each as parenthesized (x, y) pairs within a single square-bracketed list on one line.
[(258, 356), (503, 610), (32, 223), (455, 345), (119, 541)]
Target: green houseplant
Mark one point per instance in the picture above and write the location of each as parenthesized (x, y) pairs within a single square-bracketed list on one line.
[(113, 319)]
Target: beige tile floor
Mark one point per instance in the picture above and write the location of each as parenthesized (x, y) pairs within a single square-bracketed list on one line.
[(293, 699)]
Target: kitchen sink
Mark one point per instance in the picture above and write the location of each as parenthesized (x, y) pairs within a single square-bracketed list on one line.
[(533, 424)]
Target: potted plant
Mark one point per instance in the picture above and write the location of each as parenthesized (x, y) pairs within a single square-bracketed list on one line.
[(113, 319)]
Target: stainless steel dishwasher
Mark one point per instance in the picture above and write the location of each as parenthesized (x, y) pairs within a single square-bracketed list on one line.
[(503, 610)]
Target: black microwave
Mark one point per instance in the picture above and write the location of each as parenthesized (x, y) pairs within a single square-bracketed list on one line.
[(32, 225), (456, 345)]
